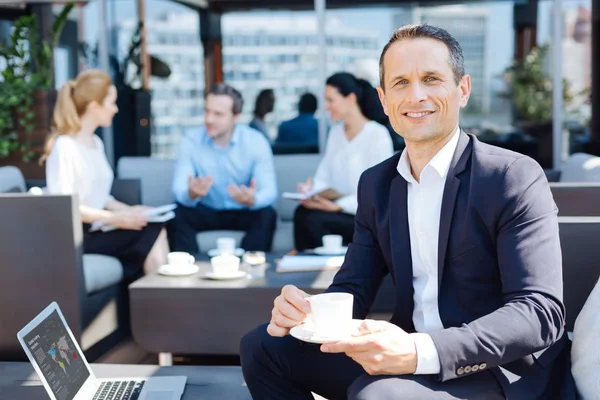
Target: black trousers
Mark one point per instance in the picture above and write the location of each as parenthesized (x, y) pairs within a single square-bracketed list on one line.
[(288, 369), (311, 225), (130, 247), (259, 226)]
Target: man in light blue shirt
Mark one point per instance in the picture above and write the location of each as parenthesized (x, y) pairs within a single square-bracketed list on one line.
[(224, 177)]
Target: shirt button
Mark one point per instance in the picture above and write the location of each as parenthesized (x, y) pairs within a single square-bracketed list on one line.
[(482, 366), (475, 368), (467, 369), (460, 371)]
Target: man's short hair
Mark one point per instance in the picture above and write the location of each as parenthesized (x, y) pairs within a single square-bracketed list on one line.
[(457, 61), (307, 103), (223, 89)]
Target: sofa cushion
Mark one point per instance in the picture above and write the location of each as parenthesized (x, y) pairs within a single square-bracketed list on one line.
[(11, 180), (581, 167), (156, 177), (101, 271), (291, 169)]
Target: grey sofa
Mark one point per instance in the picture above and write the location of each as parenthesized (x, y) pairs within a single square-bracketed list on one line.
[(156, 176), (42, 260)]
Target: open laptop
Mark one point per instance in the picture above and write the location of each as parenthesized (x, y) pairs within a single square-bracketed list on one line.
[(66, 374)]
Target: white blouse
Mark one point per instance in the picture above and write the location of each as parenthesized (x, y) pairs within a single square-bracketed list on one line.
[(344, 161), (585, 353), (75, 168)]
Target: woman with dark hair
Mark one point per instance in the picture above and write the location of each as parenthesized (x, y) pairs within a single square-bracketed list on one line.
[(356, 143), (265, 103)]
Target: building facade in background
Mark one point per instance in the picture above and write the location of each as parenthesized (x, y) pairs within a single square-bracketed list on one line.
[(258, 53)]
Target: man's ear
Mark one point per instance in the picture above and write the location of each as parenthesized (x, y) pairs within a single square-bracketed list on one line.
[(381, 94), (465, 90), (236, 117)]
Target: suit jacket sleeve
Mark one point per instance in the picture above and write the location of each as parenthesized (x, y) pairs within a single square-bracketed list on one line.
[(364, 266), (530, 266)]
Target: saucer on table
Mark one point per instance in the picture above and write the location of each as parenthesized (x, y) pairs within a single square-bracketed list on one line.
[(237, 275), (216, 252), (305, 332), (328, 252), (178, 270)]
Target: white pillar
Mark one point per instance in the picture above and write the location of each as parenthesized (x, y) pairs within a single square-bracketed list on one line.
[(320, 6), (107, 133), (557, 85)]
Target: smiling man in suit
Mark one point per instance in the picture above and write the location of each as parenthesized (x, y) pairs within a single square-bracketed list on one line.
[(469, 234)]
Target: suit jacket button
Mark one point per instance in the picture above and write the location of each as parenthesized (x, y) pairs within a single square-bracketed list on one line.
[(482, 366), (460, 371), (475, 368), (467, 369)]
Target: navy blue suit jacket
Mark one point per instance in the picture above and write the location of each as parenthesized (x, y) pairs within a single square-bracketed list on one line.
[(303, 129), (499, 264)]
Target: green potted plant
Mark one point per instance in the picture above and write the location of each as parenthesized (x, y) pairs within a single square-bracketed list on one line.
[(530, 91), (27, 94)]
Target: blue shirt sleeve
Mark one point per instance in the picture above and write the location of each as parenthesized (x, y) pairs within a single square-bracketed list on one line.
[(264, 174), (184, 168)]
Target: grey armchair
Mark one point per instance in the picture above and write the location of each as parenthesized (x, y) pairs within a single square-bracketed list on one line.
[(42, 260)]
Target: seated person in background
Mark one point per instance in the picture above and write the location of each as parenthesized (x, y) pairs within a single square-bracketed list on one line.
[(585, 352), (303, 129), (224, 177), (353, 145), (76, 164), (265, 102)]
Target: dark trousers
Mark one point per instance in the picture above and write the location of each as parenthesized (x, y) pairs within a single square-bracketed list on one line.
[(311, 225), (288, 369), (259, 226)]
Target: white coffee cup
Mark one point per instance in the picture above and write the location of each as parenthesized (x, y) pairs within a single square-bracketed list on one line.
[(180, 258), (332, 242), (225, 265), (226, 245), (331, 313)]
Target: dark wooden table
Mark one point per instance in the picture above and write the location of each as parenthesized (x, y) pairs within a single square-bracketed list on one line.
[(194, 315)]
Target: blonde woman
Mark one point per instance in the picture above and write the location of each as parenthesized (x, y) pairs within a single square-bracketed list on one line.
[(76, 164)]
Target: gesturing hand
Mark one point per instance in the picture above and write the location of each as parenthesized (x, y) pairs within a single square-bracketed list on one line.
[(199, 187), (290, 309), (243, 194), (380, 347)]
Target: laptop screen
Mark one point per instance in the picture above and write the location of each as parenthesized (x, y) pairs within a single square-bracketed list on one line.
[(57, 357)]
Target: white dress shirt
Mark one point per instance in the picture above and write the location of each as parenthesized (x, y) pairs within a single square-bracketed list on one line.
[(344, 161), (585, 353), (75, 168), (424, 201)]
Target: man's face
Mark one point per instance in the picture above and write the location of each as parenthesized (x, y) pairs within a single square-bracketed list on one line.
[(218, 115), (420, 94)]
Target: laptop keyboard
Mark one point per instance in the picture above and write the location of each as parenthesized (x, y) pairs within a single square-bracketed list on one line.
[(119, 390)]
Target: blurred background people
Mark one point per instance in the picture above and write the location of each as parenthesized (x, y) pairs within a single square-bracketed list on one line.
[(355, 143), (265, 103), (224, 177), (76, 164), (303, 129)]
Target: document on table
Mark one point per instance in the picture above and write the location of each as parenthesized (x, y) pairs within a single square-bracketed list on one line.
[(299, 263), (156, 214)]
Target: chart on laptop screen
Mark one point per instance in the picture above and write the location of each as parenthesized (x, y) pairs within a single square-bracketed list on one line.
[(57, 357)]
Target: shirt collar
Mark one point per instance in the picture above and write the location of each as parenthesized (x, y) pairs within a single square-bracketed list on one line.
[(235, 137), (440, 162)]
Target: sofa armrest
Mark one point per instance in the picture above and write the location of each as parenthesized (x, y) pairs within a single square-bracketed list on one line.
[(41, 246), (128, 191)]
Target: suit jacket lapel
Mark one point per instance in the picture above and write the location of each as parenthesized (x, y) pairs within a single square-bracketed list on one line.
[(401, 255), (457, 165)]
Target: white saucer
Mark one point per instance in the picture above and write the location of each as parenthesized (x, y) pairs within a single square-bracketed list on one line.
[(237, 252), (305, 333), (178, 270), (237, 275), (330, 252)]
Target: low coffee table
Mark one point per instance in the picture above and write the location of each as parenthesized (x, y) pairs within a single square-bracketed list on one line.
[(194, 315)]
